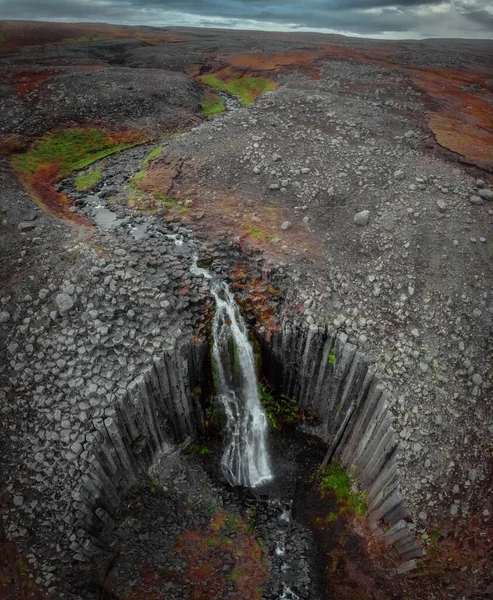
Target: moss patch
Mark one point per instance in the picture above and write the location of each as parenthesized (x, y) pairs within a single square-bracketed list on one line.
[(70, 150), (61, 152), (337, 480), (213, 105), (280, 410), (86, 181), (245, 88)]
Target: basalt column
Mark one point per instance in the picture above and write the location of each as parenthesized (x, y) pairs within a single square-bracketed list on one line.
[(156, 415), (330, 377)]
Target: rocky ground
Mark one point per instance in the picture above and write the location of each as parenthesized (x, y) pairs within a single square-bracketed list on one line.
[(333, 188)]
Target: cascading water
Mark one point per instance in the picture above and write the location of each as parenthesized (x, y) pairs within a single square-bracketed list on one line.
[(245, 460)]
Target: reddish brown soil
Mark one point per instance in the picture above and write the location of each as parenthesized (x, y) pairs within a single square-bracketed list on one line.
[(461, 119), (19, 34)]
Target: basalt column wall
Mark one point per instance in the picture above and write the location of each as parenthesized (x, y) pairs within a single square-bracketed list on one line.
[(157, 414), (330, 377)]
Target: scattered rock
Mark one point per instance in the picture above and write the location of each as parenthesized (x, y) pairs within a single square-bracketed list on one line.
[(4, 317), (476, 200), (64, 303), (442, 205), (286, 225), (486, 194), (26, 226), (362, 218)]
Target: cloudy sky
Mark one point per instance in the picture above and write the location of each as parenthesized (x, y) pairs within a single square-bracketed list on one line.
[(375, 18)]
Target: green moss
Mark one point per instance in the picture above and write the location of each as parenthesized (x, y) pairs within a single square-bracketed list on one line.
[(213, 106), (337, 480), (197, 448), (246, 89), (258, 234), (88, 180), (69, 149), (331, 359), (152, 155), (279, 409)]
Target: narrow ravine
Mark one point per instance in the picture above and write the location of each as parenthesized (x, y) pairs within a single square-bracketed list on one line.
[(245, 460)]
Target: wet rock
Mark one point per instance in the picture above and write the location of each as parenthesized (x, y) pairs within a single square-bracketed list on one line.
[(362, 218)]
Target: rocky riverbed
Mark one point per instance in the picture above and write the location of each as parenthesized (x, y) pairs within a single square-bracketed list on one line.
[(327, 202)]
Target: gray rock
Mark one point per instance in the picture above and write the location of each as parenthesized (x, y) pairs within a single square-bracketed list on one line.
[(4, 317), (399, 175), (442, 205), (362, 218), (26, 226), (64, 303), (454, 509), (486, 194), (477, 379), (274, 186), (18, 500), (286, 225), (476, 200)]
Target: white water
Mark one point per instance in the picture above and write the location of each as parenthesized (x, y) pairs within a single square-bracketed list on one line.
[(245, 460)]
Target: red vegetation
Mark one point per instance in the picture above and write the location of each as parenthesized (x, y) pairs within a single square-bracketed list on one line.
[(19, 34), (225, 542)]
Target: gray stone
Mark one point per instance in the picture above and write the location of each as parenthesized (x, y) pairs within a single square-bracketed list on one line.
[(274, 186), (64, 303), (477, 379), (476, 200), (286, 225), (4, 317), (454, 509), (442, 205), (18, 500), (486, 194), (26, 226), (399, 175), (362, 218)]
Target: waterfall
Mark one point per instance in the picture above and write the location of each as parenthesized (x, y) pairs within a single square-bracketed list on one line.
[(245, 460)]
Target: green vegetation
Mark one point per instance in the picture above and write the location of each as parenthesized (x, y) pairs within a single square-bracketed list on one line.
[(246, 89), (88, 180), (69, 149), (199, 449), (258, 234), (331, 359), (3, 37), (152, 155), (337, 480), (213, 106), (280, 409)]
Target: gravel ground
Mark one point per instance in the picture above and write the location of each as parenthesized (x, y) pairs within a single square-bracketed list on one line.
[(373, 228)]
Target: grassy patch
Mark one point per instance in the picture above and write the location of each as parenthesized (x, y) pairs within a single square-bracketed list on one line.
[(212, 106), (280, 410), (152, 155), (3, 37), (70, 150), (246, 89), (86, 181), (331, 359), (58, 154), (337, 480)]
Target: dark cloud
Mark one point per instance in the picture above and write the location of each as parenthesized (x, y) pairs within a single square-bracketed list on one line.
[(390, 18)]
